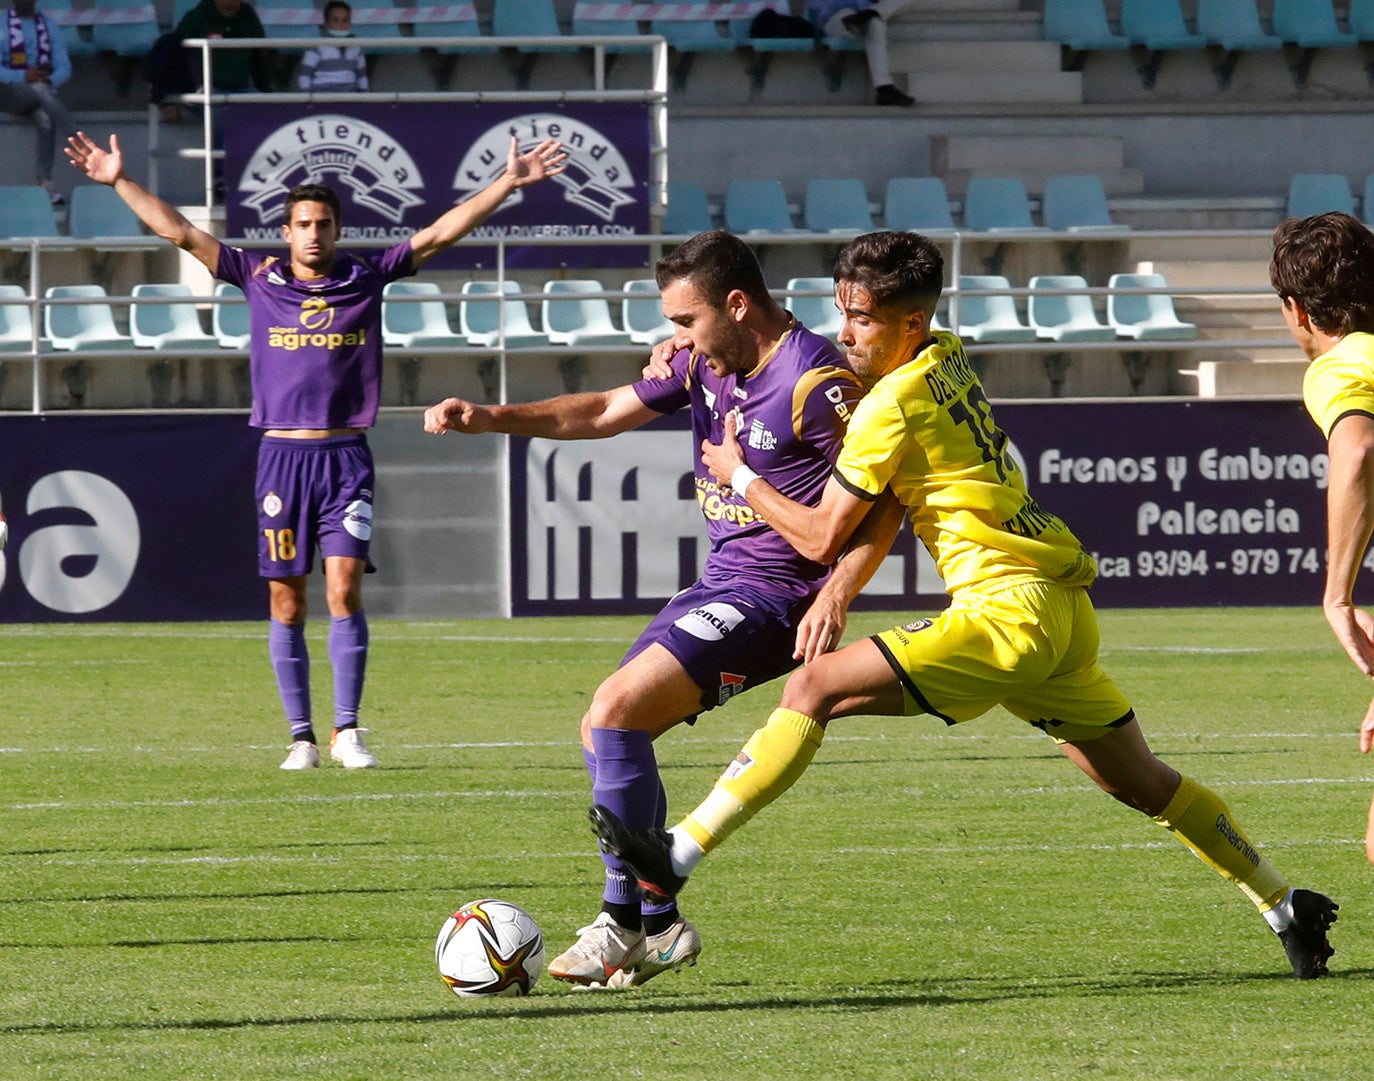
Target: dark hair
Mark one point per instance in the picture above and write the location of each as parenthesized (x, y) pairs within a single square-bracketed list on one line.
[(1326, 264), (312, 193), (894, 267), (336, 4), (717, 263)]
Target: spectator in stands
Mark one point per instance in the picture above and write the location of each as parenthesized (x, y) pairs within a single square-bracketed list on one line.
[(335, 67), (32, 67), (232, 71), (1323, 271), (867, 22)]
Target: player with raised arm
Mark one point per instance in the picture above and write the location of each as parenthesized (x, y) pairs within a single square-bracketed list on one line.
[(1019, 630), (1323, 272), (315, 358), (737, 353)]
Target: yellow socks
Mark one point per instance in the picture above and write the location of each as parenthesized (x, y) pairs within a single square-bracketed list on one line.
[(770, 763), (1198, 817)]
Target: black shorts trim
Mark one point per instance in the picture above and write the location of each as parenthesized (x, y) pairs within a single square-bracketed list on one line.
[(905, 677), (1348, 413)]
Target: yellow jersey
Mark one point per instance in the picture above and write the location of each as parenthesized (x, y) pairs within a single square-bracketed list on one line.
[(1341, 381), (926, 429)]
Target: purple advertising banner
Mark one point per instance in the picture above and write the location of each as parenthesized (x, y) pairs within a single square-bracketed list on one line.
[(398, 167), (1185, 503), (129, 518)]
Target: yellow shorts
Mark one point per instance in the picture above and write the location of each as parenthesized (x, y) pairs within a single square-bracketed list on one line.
[(1031, 648)]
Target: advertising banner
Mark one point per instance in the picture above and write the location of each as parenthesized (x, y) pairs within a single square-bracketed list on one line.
[(398, 167), (1185, 503), (138, 518)]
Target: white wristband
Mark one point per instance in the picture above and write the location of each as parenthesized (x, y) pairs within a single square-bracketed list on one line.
[(741, 478)]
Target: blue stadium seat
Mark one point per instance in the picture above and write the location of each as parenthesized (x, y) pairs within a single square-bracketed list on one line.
[(917, 203), (1361, 19), (817, 313), (376, 19), (419, 324), (449, 21), (1316, 193), (16, 320), (1077, 204), (97, 211), (571, 317), (157, 321), (229, 320), (481, 318), (837, 206), (1081, 27), (1367, 199), (688, 211), (75, 26), (990, 318), (1310, 25), (79, 327), (642, 313), (26, 211), (1233, 26), (757, 206), (1066, 317), (1145, 317), (1157, 26), (997, 204), (124, 27), (526, 19), (589, 27), (294, 19)]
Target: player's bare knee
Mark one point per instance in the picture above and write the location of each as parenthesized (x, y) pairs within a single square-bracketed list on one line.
[(808, 691)]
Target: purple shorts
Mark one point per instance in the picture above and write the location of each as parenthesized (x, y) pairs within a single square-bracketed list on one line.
[(312, 492), (727, 638)]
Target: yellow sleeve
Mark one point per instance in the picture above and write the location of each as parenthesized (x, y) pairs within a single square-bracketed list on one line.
[(874, 445), (1340, 382)]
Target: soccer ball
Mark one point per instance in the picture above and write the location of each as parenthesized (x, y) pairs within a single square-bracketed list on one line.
[(490, 947)]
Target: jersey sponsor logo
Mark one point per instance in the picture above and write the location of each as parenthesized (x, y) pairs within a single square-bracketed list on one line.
[(741, 763), (357, 519), (760, 438), (730, 685), (316, 314), (710, 622), (290, 339), (595, 177), (271, 504), (716, 509), (332, 148)]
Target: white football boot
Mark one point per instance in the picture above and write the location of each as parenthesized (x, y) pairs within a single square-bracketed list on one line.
[(601, 952), (302, 755), (671, 949), (347, 748)]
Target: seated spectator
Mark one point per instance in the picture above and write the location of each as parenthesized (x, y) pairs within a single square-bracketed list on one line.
[(866, 21), (172, 70), (32, 67), (335, 67)]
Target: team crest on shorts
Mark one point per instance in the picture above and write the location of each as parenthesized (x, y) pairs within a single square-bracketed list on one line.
[(271, 504), (730, 685)]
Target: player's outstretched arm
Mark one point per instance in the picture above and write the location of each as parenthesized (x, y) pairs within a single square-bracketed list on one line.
[(593, 415), (107, 167), (1349, 524), (543, 161)]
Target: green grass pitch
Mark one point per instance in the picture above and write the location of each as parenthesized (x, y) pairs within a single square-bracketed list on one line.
[(925, 903)]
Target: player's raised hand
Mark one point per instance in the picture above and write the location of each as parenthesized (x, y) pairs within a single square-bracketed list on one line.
[(544, 160), (660, 364), (456, 415), (723, 458), (101, 165)]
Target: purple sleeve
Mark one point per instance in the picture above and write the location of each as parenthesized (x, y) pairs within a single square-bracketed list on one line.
[(236, 266), (397, 261), (668, 395), (825, 413)]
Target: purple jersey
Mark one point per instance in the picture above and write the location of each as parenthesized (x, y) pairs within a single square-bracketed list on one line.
[(791, 412), (316, 347)]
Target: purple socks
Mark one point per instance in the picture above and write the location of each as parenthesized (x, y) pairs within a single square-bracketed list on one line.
[(291, 663), (348, 655), (625, 779)]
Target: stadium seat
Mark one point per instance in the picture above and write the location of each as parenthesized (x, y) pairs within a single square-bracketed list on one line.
[(26, 211), (917, 203), (817, 313), (481, 320), (1361, 19), (97, 211), (571, 317), (764, 49), (1145, 317), (420, 324), (837, 206), (449, 21), (79, 327), (377, 19), (757, 206), (598, 27), (16, 320), (1233, 26), (990, 318), (1316, 193), (75, 26), (229, 320), (526, 19), (1077, 204), (642, 313), (688, 34), (996, 204), (1065, 317), (1310, 25), (1367, 201), (124, 27), (159, 322), (1156, 26), (688, 211), (1081, 27)]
